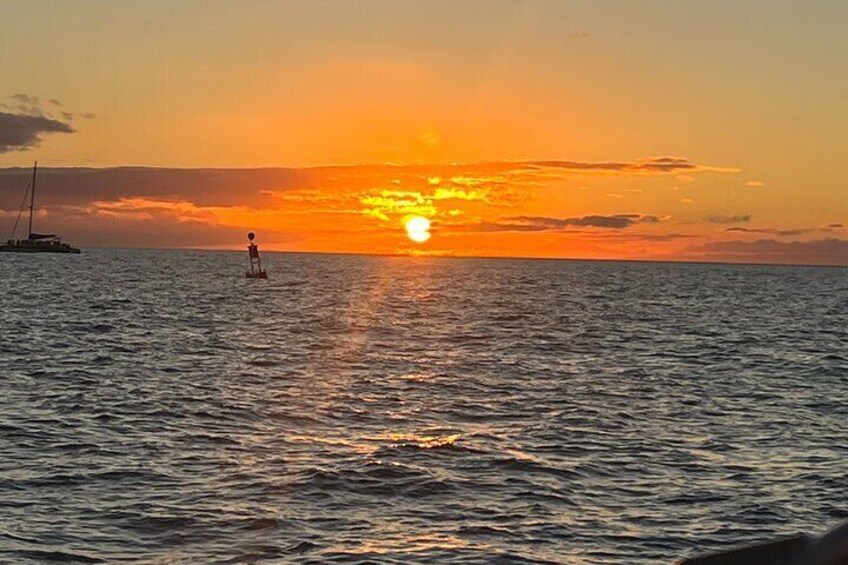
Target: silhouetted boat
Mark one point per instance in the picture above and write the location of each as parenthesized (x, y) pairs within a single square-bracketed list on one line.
[(35, 242), (800, 549)]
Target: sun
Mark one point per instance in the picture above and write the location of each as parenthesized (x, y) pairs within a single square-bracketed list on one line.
[(417, 228)]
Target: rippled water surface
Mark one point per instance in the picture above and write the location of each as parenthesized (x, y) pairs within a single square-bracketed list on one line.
[(157, 407)]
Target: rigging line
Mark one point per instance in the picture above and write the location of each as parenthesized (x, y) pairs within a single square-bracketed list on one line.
[(21, 210)]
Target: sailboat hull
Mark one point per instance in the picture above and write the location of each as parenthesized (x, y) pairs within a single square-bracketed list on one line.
[(37, 247)]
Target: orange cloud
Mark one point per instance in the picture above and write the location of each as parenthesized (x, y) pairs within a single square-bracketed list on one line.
[(526, 207)]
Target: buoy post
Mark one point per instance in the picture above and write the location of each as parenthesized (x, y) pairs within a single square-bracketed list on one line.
[(256, 271)]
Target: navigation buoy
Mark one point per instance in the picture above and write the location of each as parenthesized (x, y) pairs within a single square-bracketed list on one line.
[(256, 271)]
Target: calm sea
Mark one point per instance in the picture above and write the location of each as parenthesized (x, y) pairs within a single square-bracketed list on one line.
[(157, 407)]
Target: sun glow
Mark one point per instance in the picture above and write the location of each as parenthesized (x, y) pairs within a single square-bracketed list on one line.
[(417, 228)]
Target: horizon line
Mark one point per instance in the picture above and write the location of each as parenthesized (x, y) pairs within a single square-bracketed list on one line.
[(496, 257)]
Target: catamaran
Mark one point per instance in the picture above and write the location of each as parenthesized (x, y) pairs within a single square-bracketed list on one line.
[(35, 242)]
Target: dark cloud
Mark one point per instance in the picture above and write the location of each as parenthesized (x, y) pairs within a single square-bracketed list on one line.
[(499, 226), (543, 223), (31, 105), (656, 165), (719, 219), (770, 231), (205, 187), (31, 111), (818, 252), (635, 236), (26, 99), (87, 230), (18, 131), (835, 226), (660, 236), (617, 221)]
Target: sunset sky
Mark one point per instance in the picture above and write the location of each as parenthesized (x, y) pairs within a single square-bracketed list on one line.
[(670, 130)]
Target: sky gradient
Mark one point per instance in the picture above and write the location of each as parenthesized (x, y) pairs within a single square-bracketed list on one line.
[(630, 130)]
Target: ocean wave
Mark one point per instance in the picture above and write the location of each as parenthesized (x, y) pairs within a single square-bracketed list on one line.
[(402, 410)]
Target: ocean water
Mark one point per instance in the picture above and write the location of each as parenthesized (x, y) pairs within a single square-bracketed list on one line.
[(157, 407)]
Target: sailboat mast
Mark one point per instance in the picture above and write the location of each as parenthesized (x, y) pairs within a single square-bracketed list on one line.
[(32, 198)]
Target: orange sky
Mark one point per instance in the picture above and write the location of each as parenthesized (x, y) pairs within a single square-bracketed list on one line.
[(518, 128)]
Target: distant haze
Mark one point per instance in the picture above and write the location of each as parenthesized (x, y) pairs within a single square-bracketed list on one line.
[(545, 128)]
